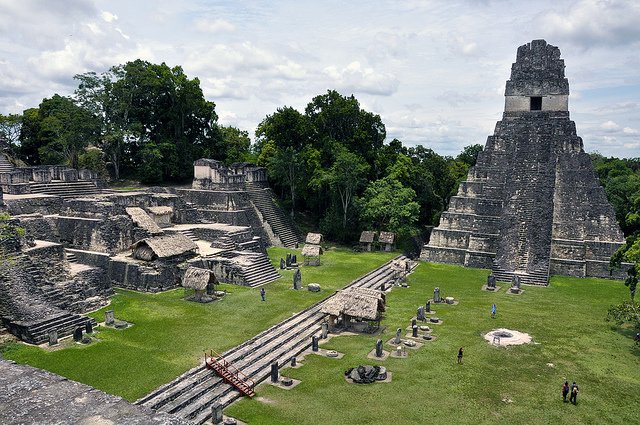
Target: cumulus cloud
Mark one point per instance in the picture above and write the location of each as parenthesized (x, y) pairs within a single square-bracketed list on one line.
[(356, 78), (629, 130), (609, 126), (592, 23)]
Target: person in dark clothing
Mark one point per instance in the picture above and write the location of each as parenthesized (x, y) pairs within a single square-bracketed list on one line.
[(574, 393), (263, 293), (460, 352), (565, 390)]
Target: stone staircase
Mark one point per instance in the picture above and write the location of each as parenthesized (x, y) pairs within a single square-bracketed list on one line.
[(192, 394), (257, 270), (534, 277), (71, 257), (281, 224), (5, 165), (189, 233), (65, 323), (66, 190)]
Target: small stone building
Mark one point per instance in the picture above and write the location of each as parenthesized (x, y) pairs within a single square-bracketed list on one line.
[(367, 239), (387, 241), (311, 254)]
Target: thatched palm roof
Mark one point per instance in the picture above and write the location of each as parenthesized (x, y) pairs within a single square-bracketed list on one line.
[(314, 238), (164, 246), (355, 302), (142, 220), (387, 237), (312, 250), (196, 278), (367, 236)]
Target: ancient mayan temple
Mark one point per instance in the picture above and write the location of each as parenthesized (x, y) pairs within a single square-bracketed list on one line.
[(532, 205)]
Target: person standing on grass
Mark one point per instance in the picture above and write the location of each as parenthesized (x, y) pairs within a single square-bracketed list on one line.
[(263, 293), (460, 352), (574, 393), (565, 390), (494, 310)]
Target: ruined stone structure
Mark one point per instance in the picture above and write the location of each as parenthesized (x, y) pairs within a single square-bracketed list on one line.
[(532, 205), (81, 245)]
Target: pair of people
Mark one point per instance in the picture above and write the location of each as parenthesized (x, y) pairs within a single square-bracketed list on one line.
[(573, 389)]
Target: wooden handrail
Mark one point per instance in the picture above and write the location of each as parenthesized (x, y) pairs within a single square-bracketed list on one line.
[(226, 364)]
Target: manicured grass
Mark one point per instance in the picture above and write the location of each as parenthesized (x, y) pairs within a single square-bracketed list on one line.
[(169, 334), (515, 385)]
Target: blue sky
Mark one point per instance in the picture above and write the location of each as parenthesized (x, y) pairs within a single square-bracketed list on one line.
[(434, 70)]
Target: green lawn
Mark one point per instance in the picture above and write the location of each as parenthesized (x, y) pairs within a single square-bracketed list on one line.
[(566, 321), (513, 385), (169, 334)]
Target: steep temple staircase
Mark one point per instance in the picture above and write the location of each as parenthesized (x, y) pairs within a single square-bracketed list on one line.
[(282, 225)]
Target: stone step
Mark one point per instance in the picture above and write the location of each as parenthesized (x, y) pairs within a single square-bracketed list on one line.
[(192, 394)]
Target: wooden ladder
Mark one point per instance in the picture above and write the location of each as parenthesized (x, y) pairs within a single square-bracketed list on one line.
[(230, 373)]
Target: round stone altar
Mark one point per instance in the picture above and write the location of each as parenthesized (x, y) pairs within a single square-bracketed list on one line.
[(504, 337)]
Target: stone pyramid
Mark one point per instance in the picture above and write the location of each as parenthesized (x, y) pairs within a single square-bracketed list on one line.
[(532, 205)]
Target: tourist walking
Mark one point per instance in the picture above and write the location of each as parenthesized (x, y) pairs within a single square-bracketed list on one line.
[(494, 310), (460, 352), (263, 293), (574, 393), (565, 391)]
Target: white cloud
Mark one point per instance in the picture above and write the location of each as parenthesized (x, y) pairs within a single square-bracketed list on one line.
[(213, 25), (610, 126), (356, 78), (591, 23), (629, 130), (108, 16)]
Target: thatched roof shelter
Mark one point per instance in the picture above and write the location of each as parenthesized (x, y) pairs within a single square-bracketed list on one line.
[(355, 302), (387, 237), (314, 238), (312, 250), (367, 236), (142, 220), (197, 278), (164, 246)]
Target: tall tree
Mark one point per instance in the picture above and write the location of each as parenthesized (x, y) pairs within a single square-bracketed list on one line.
[(387, 204), (10, 129), (57, 132), (287, 132), (346, 177)]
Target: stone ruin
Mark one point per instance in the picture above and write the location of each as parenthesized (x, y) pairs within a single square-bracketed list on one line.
[(80, 244), (532, 205), (366, 374)]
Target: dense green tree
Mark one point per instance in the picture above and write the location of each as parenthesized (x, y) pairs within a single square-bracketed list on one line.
[(10, 129), (346, 177), (142, 103), (93, 159), (336, 118), (235, 145), (469, 154), (57, 132), (387, 205), (286, 132)]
